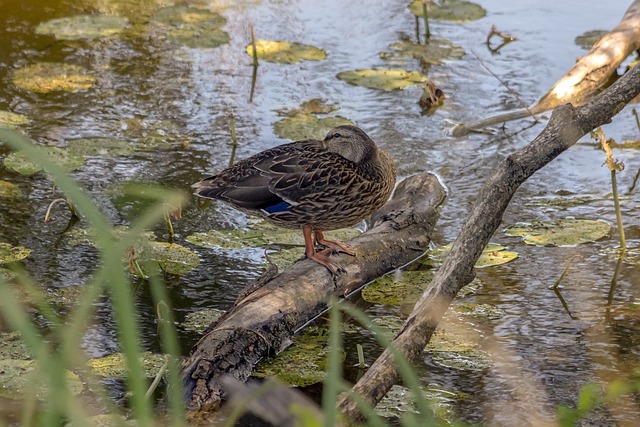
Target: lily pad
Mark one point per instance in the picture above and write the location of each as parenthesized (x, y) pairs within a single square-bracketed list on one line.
[(20, 378), (9, 253), (434, 52), (45, 77), (588, 39), (99, 147), (385, 79), (492, 255), (9, 120), (450, 10), (191, 27), (200, 320), (9, 190), (562, 232), (25, 166), (284, 52), (302, 364), (307, 126), (115, 366), (82, 27)]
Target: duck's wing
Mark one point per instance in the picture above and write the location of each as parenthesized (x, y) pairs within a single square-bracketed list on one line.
[(276, 179)]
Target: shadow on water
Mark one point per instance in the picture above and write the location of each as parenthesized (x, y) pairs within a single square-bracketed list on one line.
[(149, 90)]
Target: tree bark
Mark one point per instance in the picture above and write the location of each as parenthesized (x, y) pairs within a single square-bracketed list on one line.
[(265, 320), (566, 126), (589, 74)]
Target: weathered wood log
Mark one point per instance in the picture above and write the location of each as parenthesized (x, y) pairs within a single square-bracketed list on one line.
[(567, 125), (594, 69), (589, 74), (264, 321)]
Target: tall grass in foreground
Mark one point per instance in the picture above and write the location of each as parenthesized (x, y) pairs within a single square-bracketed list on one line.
[(58, 404)]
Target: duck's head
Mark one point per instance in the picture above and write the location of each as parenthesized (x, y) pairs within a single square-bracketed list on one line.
[(351, 143)]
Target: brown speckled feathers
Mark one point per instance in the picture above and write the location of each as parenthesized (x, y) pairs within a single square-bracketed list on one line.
[(313, 185)]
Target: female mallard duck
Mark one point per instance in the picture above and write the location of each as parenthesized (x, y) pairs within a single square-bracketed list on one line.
[(313, 185)]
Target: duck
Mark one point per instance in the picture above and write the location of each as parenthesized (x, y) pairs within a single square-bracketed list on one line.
[(312, 185)]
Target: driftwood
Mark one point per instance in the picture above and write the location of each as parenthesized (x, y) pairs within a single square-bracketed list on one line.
[(589, 74), (566, 126), (264, 321)]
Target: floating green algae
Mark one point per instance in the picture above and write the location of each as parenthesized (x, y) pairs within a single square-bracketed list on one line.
[(302, 364), (10, 253), (45, 77), (9, 120), (115, 365), (406, 287), (21, 378), (9, 190)]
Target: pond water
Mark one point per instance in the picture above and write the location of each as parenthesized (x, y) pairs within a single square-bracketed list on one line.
[(148, 87)]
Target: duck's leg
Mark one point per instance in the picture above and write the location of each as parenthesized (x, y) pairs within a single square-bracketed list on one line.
[(334, 245), (319, 257)]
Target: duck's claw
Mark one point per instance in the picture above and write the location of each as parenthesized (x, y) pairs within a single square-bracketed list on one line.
[(322, 258)]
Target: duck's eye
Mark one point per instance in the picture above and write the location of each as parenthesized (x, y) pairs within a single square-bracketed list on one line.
[(336, 135)]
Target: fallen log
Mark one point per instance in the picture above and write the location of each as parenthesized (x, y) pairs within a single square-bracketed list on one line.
[(588, 75), (264, 321), (566, 126)]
